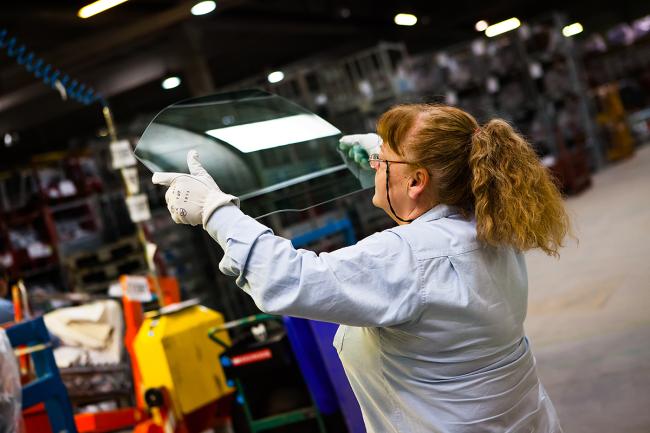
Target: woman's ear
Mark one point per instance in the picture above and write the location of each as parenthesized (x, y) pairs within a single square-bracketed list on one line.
[(418, 182)]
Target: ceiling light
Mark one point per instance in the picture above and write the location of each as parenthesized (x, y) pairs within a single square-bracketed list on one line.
[(97, 7), (405, 19), (481, 26), (8, 139), (204, 7), (275, 77), (502, 27), (171, 82), (572, 29), (267, 134), (321, 99)]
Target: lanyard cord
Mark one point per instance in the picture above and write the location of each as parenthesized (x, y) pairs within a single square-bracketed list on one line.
[(388, 197)]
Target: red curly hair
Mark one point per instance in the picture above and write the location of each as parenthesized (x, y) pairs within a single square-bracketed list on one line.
[(490, 171)]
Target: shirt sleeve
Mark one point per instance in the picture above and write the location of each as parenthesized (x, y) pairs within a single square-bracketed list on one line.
[(373, 283)]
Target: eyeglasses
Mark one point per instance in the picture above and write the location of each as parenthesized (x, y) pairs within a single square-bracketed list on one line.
[(375, 161)]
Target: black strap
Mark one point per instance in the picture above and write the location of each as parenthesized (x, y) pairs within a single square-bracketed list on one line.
[(388, 197)]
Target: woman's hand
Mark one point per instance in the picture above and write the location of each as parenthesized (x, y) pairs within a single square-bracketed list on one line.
[(192, 198), (358, 147)]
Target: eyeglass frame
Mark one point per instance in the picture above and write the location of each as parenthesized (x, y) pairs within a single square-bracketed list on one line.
[(375, 157)]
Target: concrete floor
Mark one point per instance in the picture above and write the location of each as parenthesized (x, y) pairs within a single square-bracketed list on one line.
[(589, 311)]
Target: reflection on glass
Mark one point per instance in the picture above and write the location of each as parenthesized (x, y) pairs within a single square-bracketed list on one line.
[(273, 133), (271, 153)]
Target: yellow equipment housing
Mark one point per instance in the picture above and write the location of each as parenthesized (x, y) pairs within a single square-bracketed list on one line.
[(173, 350)]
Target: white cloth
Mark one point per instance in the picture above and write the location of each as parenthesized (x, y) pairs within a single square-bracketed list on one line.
[(92, 334), (432, 337)]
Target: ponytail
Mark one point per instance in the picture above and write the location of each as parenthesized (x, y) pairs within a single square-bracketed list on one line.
[(491, 172), (516, 201)]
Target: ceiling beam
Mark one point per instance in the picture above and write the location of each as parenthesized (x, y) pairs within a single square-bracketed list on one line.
[(284, 26)]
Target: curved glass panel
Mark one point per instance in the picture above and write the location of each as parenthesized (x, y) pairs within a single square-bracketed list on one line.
[(271, 153)]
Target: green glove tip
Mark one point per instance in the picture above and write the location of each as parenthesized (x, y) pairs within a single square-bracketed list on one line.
[(360, 155)]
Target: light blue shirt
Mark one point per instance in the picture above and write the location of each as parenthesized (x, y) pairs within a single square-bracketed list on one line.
[(431, 334)]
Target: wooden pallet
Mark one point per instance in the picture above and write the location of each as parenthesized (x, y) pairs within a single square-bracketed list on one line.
[(104, 255), (108, 272)]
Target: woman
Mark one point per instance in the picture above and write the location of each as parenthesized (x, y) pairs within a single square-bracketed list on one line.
[(432, 310)]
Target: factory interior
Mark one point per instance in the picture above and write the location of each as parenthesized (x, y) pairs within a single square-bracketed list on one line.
[(116, 316)]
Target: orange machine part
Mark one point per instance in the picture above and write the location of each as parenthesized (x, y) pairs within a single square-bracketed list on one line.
[(133, 318), (36, 420), (19, 316), (170, 289)]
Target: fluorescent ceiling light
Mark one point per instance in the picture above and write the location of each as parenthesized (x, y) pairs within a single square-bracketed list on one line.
[(572, 29), (252, 137), (204, 7), (275, 77), (405, 19), (481, 26), (97, 7), (502, 27), (171, 82)]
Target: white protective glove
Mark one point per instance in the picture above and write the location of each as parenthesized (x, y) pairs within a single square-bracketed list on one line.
[(358, 147), (192, 198)]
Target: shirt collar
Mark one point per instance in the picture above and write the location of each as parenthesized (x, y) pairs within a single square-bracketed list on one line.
[(436, 212)]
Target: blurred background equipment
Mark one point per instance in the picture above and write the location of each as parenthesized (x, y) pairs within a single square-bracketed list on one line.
[(177, 365), (254, 363)]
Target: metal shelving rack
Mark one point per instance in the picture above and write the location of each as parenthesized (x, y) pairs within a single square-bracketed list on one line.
[(340, 89)]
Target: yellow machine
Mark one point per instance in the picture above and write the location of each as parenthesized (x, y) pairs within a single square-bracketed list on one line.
[(174, 354)]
